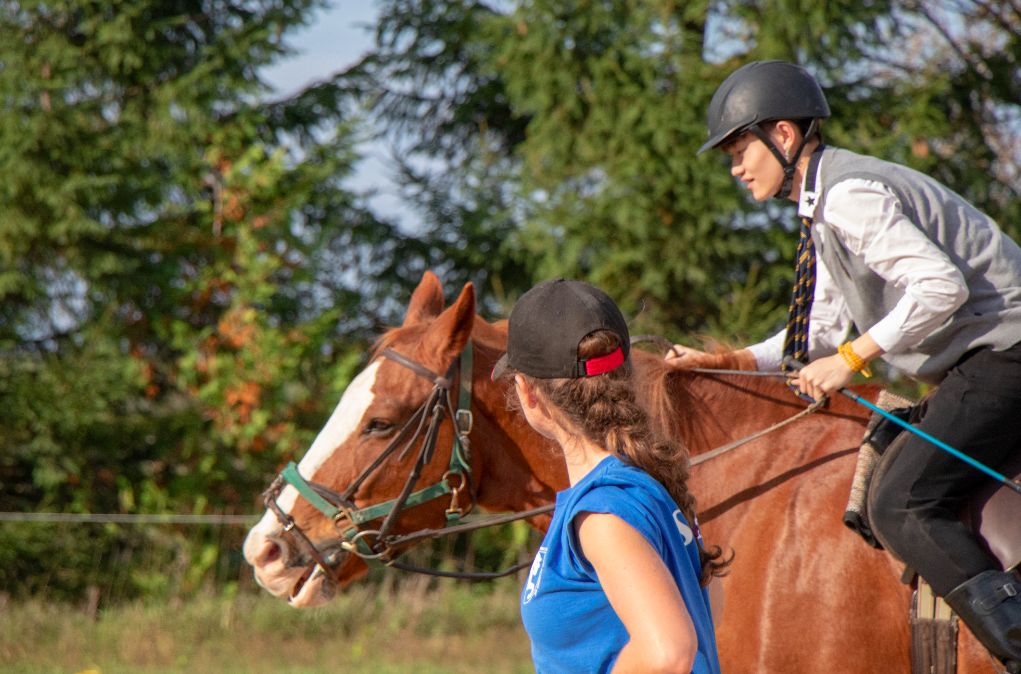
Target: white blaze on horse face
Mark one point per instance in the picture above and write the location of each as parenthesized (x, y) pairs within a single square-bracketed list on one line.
[(343, 423)]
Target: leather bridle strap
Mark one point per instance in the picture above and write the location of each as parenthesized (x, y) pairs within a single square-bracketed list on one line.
[(338, 507), (418, 368), (425, 454), (270, 498), (417, 421)]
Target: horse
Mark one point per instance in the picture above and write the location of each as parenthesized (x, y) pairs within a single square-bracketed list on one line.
[(803, 594)]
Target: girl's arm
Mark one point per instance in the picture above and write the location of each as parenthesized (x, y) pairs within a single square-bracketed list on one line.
[(642, 592)]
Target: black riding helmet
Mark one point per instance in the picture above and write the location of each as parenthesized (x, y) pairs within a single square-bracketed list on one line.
[(765, 91)]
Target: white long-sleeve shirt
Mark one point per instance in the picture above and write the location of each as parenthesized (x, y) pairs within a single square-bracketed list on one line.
[(866, 217)]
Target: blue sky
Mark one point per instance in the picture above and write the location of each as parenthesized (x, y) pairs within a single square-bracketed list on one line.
[(336, 38)]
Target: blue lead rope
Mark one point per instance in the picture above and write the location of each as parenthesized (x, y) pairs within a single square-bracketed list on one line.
[(936, 441), (999, 477)]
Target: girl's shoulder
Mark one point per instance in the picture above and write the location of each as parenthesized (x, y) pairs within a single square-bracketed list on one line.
[(614, 481)]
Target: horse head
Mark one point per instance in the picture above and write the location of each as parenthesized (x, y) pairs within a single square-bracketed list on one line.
[(391, 459)]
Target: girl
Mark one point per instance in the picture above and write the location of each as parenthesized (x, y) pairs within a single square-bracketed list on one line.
[(619, 582)]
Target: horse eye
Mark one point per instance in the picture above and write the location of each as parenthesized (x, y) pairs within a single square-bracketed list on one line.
[(378, 427)]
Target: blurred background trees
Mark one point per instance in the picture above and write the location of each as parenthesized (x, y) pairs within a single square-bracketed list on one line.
[(186, 285), (588, 116)]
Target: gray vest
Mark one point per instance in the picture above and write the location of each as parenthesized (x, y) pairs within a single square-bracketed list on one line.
[(989, 260)]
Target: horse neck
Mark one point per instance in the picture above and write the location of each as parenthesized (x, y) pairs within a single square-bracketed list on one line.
[(515, 468)]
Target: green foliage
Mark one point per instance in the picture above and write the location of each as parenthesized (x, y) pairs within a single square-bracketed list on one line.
[(184, 281), (595, 110), (445, 108), (94, 387), (616, 99)]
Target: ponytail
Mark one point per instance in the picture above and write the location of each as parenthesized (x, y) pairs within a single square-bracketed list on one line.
[(605, 410)]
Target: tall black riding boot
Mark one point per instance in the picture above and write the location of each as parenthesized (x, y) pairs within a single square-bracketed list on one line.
[(990, 605)]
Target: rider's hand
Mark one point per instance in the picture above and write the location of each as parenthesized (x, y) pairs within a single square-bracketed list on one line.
[(686, 358), (824, 376)]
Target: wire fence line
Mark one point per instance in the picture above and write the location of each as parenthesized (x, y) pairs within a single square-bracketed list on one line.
[(120, 518), (93, 559), (110, 557)]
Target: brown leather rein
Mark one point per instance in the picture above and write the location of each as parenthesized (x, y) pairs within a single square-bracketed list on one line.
[(718, 451)]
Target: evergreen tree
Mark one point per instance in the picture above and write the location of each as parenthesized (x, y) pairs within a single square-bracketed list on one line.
[(185, 284), (593, 112), (440, 103)]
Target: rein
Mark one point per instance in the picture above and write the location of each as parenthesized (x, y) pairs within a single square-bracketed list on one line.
[(379, 546), (718, 451), (712, 454)]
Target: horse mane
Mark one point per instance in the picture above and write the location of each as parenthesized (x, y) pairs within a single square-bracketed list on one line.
[(675, 398), (666, 394), (383, 342)]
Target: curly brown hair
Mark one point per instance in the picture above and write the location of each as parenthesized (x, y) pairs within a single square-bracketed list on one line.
[(605, 409)]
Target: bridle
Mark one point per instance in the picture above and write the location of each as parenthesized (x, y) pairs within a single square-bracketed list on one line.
[(379, 545)]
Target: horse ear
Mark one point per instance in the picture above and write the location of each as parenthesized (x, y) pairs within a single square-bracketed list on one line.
[(427, 300), (450, 332)]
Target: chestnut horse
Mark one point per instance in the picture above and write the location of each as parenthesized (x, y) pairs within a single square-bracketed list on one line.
[(804, 594)]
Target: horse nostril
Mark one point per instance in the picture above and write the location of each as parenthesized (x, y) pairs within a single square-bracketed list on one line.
[(271, 552)]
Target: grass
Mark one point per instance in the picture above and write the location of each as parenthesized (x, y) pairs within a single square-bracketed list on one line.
[(420, 627)]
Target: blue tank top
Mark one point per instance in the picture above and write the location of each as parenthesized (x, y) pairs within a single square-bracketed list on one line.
[(571, 624)]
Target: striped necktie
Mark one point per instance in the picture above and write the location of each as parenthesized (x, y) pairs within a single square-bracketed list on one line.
[(795, 343)]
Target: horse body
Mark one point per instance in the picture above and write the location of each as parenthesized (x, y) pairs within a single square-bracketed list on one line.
[(803, 595)]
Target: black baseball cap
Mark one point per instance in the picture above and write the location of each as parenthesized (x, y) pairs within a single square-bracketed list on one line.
[(548, 323)]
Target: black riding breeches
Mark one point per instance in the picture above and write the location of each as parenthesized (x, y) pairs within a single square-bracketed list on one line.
[(976, 410)]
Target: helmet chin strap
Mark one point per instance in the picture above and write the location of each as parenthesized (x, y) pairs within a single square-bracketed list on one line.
[(788, 165)]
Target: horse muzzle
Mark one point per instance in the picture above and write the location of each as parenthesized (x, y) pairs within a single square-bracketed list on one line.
[(287, 572)]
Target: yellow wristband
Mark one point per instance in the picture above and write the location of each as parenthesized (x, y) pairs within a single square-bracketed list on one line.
[(853, 360)]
